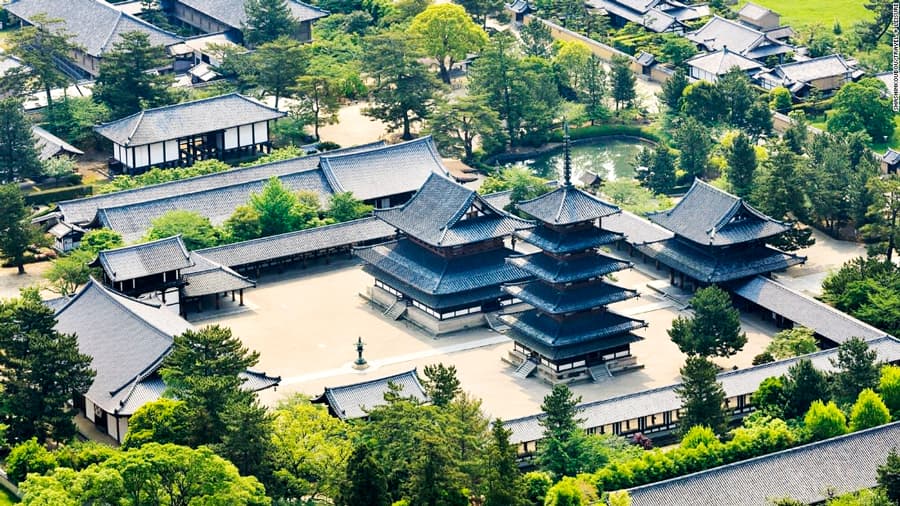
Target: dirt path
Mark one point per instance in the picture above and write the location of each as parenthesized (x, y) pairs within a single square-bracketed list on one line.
[(353, 127), (11, 282)]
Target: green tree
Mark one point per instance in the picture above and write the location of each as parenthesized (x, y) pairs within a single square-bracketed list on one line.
[(41, 371), (127, 81), (883, 229), (277, 207), (365, 483), (434, 480), (861, 106), (275, 66), (16, 231), (868, 411), (734, 86), (40, 45), (803, 384), (823, 421), (344, 207), (268, 20), (714, 330), (631, 196), (619, 498), (563, 444), (779, 188), (243, 224), (404, 90), (741, 158), (622, 83), (502, 480), (661, 176), (458, 123), (68, 272), (570, 60), (319, 93), (702, 396), (100, 239), (797, 135), (673, 91), (704, 102), (769, 397), (792, 343), (74, 118), (520, 180), (564, 493), (536, 483), (480, 10), (889, 476), (889, 388), (497, 76), (447, 34), (441, 384), (28, 457), (161, 421), (18, 154), (537, 40), (780, 99), (594, 89), (694, 144), (676, 49), (195, 229), (856, 369)]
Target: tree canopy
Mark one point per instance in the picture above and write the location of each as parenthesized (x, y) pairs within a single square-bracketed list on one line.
[(268, 20), (448, 35), (127, 82), (702, 396), (714, 330), (18, 154), (196, 230)]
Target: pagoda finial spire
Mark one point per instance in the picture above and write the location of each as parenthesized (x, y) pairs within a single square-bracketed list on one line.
[(567, 163)]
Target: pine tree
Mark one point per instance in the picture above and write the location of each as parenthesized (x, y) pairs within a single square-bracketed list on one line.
[(18, 155), (268, 20), (435, 480), (16, 232), (502, 479), (803, 384), (856, 370), (561, 448), (672, 91), (661, 178), (694, 143), (366, 484), (441, 384), (889, 476), (623, 80), (40, 45), (715, 328), (41, 371), (127, 83), (741, 159), (702, 396)]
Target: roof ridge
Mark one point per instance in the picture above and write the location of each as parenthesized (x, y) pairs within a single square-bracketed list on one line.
[(140, 118), (375, 380), (295, 232), (115, 25)]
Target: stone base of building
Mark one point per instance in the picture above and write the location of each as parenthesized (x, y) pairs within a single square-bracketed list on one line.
[(429, 324), (594, 372)]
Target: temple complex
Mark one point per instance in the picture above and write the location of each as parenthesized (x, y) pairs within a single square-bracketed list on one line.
[(446, 270), (569, 330)]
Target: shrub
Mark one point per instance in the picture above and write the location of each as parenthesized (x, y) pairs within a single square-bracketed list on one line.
[(536, 484), (28, 457), (58, 194), (699, 435), (824, 421), (889, 387), (763, 358), (868, 411)]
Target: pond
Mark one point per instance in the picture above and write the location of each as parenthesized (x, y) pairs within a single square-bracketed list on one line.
[(609, 158)]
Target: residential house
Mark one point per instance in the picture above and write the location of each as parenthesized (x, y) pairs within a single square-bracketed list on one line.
[(719, 33), (711, 66), (758, 17), (654, 15), (825, 74), (95, 27), (216, 16)]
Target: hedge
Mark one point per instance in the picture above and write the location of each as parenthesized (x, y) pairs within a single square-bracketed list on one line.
[(55, 195), (610, 130)]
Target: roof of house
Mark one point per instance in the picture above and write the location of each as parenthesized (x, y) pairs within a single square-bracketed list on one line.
[(389, 170), (551, 300), (232, 13), (187, 119), (94, 25), (811, 474), (439, 275), (62, 229), (49, 145), (636, 229), (443, 213), (814, 68), (208, 277), (719, 32), (518, 6), (709, 216), (566, 205), (825, 320), (146, 259), (126, 338), (736, 263), (754, 12), (721, 61), (243, 253), (638, 11), (664, 399), (891, 157), (84, 210), (353, 401)]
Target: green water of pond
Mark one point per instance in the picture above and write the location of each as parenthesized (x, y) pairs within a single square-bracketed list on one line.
[(609, 158)]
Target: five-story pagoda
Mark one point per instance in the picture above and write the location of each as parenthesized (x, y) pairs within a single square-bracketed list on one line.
[(569, 330)]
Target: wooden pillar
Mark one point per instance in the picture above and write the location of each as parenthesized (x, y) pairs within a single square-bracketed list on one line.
[(671, 276), (217, 300), (232, 296), (164, 295), (242, 296)]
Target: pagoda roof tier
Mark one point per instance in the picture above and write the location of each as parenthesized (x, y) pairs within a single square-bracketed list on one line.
[(443, 213), (740, 263), (553, 270), (567, 241), (437, 275), (569, 337), (566, 205), (709, 216), (580, 298), (438, 302)]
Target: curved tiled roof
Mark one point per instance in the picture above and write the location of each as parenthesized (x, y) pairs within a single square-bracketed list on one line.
[(207, 277), (146, 259), (551, 300), (554, 270), (566, 205), (232, 13), (351, 401)]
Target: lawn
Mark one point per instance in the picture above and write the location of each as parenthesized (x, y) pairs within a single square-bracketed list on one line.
[(878, 147), (825, 12)]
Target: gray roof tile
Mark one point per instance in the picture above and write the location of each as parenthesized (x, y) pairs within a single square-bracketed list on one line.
[(569, 242), (558, 338), (719, 33), (94, 24), (50, 145), (389, 170), (566, 205), (351, 401), (186, 119), (720, 62), (554, 270), (232, 13), (147, 259), (808, 473), (207, 277), (636, 230), (732, 265), (578, 298), (816, 68)]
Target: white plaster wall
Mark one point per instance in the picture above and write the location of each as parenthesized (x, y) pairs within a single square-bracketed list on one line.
[(246, 135), (156, 153), (262, 131), (231, 140), (171, 151), (140, 156)]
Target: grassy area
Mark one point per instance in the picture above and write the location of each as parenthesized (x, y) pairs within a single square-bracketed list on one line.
[(824, 12), (893, 142)]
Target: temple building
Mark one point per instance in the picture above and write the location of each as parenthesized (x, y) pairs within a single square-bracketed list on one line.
[(718, 238), (569, 330), (445, 272)]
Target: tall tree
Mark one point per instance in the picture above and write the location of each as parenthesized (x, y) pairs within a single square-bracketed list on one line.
[(803, 384), (441, 384), (497, 76), (365, 483), (779, 190), (715, 328), (319, 93), (824, 421), (195, 229), (404, 90), (537, 40), (694, 143), (883, 231), (593, 89), (126, 83), (734, 87), (622, 86), (797, 135), (480, 10), (16, 231), (456, 125), (563, 445), (673, 91), (275, 66), (702, 396), (69, 272), (889, 388), (856, 368), (741, 158), (41, 45), (41, 371), (868, 411), (277, 207), (862, 106), (268, 20), (447, 34), (661, 176), (889, 476), (502, 480), (18, 155), (703, 101), (435, 481)]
